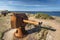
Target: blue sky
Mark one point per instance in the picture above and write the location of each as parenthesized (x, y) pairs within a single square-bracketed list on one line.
[(30, 5)]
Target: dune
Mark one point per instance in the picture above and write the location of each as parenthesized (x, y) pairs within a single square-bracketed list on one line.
[(54, 24)]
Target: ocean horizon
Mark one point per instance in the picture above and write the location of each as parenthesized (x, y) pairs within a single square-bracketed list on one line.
[(52, 13)]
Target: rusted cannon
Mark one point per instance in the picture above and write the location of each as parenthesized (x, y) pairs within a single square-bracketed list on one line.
[(17, 22)]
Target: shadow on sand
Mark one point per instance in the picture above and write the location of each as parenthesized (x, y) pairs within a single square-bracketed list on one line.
[(38, 29)]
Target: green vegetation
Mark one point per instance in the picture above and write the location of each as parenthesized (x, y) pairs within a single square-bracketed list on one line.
[(43, 16), (30, 14)]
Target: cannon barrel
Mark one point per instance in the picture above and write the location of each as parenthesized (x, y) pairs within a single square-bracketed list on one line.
[(31, 22), (38, 24)]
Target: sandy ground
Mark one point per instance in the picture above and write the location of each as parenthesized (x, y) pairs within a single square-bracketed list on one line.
[(54, 24), (9, 35)]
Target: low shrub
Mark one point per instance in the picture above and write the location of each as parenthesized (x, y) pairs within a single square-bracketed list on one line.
[(43, 16)]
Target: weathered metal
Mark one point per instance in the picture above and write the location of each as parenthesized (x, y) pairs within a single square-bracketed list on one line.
[(17, 22)]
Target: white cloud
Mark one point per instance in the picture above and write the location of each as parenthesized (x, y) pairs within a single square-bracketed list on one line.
[(34, 5), (3, 7), (15, 3), (7, 6)]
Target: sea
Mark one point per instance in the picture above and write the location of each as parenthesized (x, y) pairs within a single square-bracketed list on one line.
[(52, 13)]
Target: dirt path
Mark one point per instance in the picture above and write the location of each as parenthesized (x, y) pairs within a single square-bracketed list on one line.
[(54, 24)]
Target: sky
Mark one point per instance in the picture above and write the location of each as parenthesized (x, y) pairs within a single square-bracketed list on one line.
[(30, 5)]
